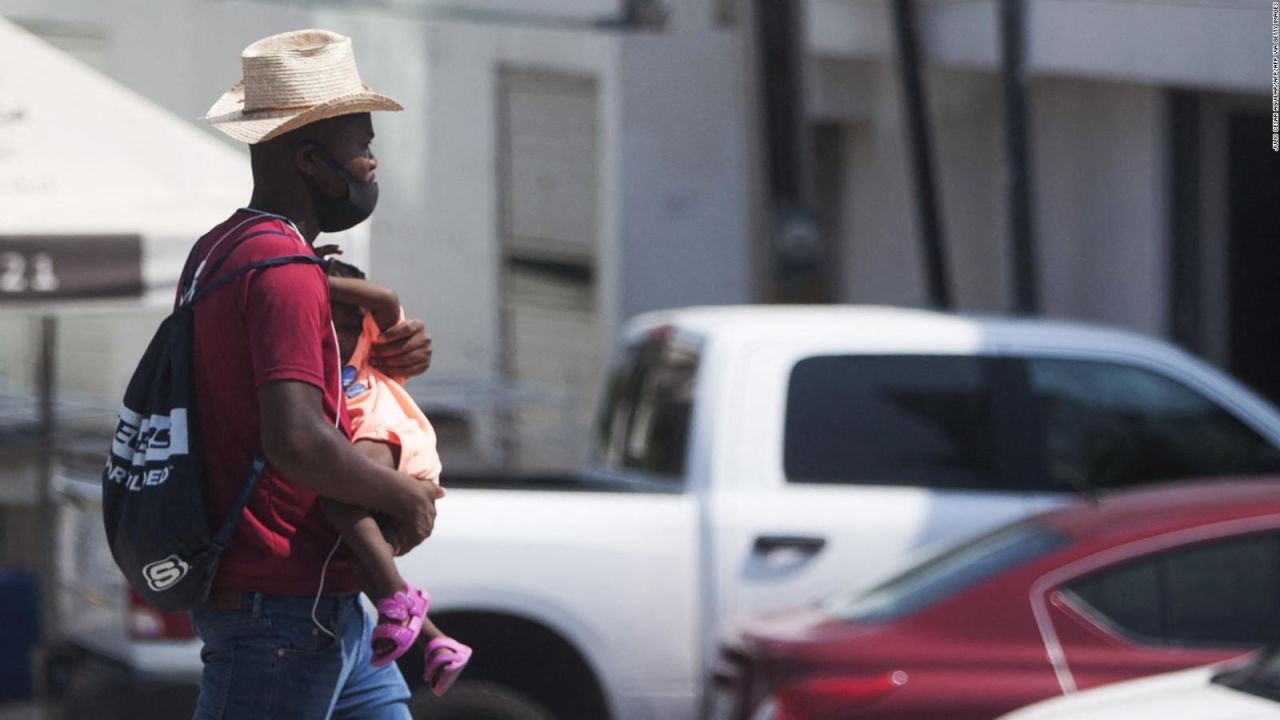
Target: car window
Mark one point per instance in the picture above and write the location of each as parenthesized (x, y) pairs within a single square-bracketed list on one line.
[(1128, 597), (1224, 594), (950, 572), (890, 420), (1108, 425), (644, 423)]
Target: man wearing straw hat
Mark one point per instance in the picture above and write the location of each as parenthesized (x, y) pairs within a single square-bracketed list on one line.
[(284, 633)]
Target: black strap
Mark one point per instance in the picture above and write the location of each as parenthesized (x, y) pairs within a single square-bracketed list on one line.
[(242, 498), (190, 277), (217, 265), (269, 263)]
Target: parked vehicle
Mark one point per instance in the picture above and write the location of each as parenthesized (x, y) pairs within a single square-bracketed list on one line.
[(1243, 689), (756, 458), (1146, 581)]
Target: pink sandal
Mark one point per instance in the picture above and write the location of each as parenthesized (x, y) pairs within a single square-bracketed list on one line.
[(443, 669), (410, 604)]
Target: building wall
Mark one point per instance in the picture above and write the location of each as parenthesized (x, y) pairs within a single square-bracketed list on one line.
[(1101, 205), (683, 229), (1208, 45), (1098, 163), (880, 250), (1099, 144)]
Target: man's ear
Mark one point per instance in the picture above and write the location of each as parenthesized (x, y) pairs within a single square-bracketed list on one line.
[(306, 159)]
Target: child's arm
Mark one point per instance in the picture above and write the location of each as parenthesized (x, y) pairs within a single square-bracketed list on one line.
[(377, 299)]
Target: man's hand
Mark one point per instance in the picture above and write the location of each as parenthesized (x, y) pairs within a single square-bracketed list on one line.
[(418, 518), (328, 253), (404, 350)]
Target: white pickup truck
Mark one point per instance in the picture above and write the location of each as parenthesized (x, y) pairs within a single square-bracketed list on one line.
[(748, 458)]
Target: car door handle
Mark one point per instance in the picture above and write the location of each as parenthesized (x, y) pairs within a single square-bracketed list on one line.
[(809, 544)]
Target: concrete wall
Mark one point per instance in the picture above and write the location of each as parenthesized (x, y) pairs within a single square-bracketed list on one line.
[(1101, 202), (683, 234), (1099, 145), (881, 260), (1100, 211), (1205, 45)]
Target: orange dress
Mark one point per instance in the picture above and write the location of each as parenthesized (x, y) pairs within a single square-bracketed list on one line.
[(381, 409)]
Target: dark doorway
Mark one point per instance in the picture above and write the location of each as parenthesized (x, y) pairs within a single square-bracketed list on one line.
[(1254, 248)]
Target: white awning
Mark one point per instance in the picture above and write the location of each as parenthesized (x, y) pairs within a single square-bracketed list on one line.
[(83, 157)]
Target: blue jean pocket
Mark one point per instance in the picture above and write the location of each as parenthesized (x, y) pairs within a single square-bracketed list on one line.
[(302, 635)]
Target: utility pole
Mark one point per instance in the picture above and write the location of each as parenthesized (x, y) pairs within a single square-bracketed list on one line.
[(921, 149), (46, 508), (1018, 168), (796, 245)]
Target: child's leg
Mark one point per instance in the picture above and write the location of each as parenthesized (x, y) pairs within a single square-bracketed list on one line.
[(374, 566), (430, 632), (374, 526), (372, 548)]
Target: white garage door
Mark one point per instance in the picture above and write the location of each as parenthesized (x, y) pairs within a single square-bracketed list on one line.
[(551, 331)]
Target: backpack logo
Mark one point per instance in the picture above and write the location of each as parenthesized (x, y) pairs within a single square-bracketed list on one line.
[(164, 574)]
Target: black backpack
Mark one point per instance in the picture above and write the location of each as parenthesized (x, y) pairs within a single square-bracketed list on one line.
[(154, 497)]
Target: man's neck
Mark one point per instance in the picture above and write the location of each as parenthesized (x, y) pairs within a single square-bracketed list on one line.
[(303, 218)]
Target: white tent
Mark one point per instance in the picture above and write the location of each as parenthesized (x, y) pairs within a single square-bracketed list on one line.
[(82, 155)]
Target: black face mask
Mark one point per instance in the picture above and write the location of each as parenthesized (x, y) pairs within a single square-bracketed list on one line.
[(338, 215)]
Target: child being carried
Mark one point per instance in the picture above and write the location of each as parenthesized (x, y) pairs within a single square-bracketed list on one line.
[(390, 428)]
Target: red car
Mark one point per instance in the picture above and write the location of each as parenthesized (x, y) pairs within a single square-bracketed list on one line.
[(1141, 582)]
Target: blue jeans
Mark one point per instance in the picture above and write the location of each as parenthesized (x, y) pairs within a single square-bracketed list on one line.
[(267, 659)]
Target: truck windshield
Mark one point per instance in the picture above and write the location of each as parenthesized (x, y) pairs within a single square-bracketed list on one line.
[(948, 573), (644, 423)]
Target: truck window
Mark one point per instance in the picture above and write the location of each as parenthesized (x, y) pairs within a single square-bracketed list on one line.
[(890, 420), (1107, 425), (648, 402)]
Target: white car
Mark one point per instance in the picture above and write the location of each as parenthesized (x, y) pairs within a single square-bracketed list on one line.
[(1243, 689)]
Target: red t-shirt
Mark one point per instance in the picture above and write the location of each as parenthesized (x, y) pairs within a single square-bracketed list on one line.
[(269, 324)]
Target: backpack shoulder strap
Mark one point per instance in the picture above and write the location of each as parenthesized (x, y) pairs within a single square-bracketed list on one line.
[(190, 283), (223, 536), (260, 264)]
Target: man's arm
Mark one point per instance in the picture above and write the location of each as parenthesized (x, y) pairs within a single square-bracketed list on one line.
[(308, 450), (377, 299)]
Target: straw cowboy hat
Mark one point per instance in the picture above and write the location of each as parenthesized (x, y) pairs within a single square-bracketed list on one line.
[(290, 80)]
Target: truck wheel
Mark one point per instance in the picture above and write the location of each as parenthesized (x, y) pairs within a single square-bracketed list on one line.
[(476, 701)]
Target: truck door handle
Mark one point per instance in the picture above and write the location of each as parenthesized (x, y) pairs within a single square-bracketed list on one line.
[(809, 544)]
